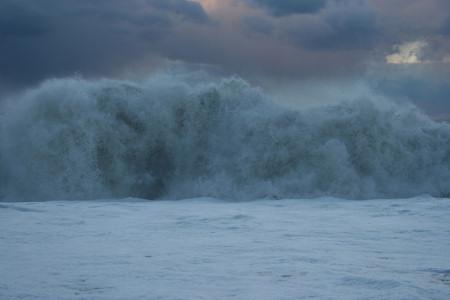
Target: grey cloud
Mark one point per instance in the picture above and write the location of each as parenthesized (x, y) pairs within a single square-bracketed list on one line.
[(19, 20), (352, 24), (445, 28), (258, 24), (188, 9), (329, 39), (428, 86), (95, 38), (290, 7), (344, 25)]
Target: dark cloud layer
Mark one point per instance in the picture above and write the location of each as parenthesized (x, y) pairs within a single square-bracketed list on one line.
[(445, 28), (19, 20), (188, 9), (424, 86), (351, 25), (63, 37), (289, 7), (278, 39)]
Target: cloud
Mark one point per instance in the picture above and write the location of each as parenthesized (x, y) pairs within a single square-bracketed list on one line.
[(258, 24), (343, 25), (19, 20), (407, 53), (187, 9), (289, 7), (419, 52), (273, 39), (95, 38), (426, 86), (445, 27)]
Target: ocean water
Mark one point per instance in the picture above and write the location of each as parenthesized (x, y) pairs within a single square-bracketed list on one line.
[(178, 136), (213, 249)]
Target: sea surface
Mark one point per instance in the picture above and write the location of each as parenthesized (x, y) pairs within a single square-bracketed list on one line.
[(324, 248)]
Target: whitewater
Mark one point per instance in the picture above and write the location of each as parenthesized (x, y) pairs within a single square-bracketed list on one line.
[(180, 136), (133, 249)]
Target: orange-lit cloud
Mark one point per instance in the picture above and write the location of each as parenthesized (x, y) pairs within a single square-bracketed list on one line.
[(209, 5)]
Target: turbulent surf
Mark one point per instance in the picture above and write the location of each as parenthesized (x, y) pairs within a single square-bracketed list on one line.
[(180, 137)]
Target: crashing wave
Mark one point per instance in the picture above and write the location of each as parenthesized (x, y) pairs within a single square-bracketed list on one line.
[(175, 137)]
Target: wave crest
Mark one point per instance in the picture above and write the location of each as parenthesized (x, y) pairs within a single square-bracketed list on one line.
[(172, 137)]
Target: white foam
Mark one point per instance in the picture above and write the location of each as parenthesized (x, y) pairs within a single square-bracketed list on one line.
[(181, 137)]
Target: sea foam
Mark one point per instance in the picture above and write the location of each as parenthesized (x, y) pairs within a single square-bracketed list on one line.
[(178, 137)]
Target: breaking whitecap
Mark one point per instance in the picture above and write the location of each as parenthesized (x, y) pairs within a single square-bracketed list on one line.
[(176, 137)]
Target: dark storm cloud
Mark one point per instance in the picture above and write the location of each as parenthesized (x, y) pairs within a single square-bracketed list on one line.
[(258, 24), (343, 25), (188, 9), (289, 7), (445, 28), (352, 25), (18, 20), (428, 88), (280, 39), (49, 38)]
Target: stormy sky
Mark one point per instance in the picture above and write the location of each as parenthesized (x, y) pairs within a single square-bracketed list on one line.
[(400, 47)]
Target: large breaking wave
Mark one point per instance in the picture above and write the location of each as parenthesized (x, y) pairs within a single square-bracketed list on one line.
[(177, 137)]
